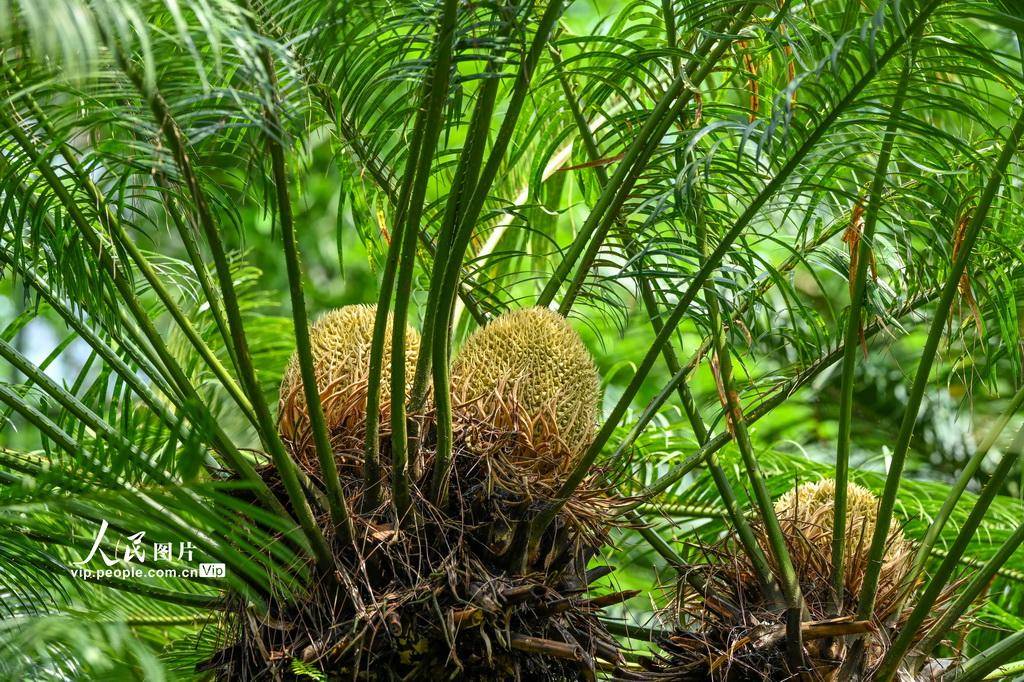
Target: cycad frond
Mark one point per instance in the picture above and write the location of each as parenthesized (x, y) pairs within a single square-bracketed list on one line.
[(789, 233)]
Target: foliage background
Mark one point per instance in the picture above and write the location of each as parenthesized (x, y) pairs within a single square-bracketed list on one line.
[(342, 218)]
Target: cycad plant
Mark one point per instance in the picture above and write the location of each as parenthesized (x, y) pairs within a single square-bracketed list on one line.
[(664, 312)]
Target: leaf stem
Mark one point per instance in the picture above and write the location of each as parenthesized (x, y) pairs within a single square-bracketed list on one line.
[(605, 210), (781, 393), (437, 95), (200, 413), (464, 181), (462, 236), (980, 580), (103, 349), (303, 347), (82, 413), (678, 382), (46, 426), (738, 427), (371, 459), (970, 468), (909, 627), (866, 601), (979, 666), (371, 449), (112, 223), (711, 263), (860, 253), (177, 143), (346, 130)]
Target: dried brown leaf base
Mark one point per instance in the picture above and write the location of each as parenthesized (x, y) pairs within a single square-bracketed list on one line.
[(449, 595)]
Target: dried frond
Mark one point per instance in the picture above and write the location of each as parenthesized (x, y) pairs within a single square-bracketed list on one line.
[(454, 593)]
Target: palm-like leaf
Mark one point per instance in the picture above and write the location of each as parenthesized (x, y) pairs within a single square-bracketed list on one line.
[(688, 180)]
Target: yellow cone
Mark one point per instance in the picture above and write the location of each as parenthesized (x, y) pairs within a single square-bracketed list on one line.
[(340, 341), (526, 382)]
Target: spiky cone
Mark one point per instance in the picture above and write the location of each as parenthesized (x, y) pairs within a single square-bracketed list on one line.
[(341, 341), (526, 387), (449, 597), (727, 628), (807, 514), (526, 396)]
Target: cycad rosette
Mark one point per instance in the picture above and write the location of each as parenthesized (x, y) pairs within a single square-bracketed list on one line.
[(728, 620), (500, 605)]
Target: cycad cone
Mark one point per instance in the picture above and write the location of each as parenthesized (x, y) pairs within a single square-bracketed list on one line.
[(806, 514), (526, 383), (340, 341)]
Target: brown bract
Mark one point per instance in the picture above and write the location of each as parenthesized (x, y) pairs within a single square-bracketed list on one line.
[(449, 597)]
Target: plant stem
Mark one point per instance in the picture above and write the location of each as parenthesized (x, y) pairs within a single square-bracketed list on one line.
[(646, 287), (346, 130), (890, 664), (303, 347), (678, 383), (970, 468), (777, 541), (191, 243), (33, 416), (1000, 653), (463, 183), (862, 254), (887, 503), (461, 238), (437, 95), (735, 418), (371, 451), (371, 464), (711, 263), (176, 142)]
